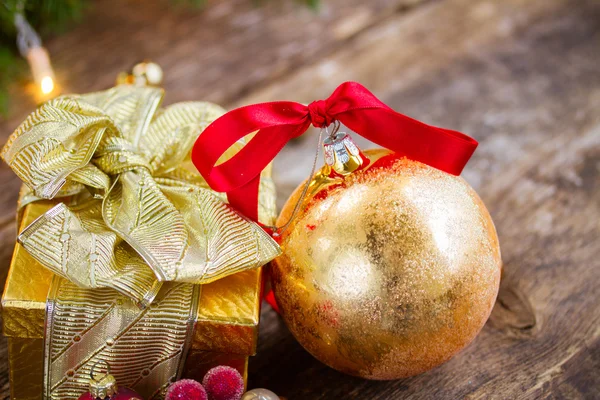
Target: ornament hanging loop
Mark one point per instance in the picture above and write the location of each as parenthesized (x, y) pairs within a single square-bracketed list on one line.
[(331, 137), (103, 386), (278, 231), (335, 130), (93, 369)]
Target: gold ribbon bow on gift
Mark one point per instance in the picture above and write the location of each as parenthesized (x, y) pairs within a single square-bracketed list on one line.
[(135, 212)]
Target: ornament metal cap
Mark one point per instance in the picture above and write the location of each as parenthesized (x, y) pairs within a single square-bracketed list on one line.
[(104, 386), (341, 153)]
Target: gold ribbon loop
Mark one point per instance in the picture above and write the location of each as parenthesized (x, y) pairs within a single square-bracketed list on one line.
[(55, 141), (137, 212)]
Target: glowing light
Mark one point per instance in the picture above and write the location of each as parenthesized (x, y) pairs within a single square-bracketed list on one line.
[(47, 85)]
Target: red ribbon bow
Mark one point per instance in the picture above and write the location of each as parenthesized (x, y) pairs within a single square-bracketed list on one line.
[(278, 122)]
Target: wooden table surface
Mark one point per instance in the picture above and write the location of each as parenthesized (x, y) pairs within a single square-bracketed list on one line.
[(521, 76)]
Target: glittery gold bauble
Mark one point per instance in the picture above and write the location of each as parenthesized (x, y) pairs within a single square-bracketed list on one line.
[(387, 271), (142, 74)]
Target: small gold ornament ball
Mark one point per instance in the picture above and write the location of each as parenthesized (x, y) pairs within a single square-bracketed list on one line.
[(152, 72), (142, 74), (388, 271)]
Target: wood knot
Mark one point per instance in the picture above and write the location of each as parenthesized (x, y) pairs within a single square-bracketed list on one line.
[(513, 312)]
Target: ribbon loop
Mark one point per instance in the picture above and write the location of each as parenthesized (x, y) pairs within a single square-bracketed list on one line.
[(278, 122)]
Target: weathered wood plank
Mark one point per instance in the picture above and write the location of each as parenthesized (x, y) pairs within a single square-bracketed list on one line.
[(521, 78), (463, 74), (215, 53)]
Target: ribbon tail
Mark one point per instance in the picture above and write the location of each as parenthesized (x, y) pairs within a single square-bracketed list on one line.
[(242, 198), (443, 149)]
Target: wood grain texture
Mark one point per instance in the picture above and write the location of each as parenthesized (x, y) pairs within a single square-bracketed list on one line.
[(521, 76)]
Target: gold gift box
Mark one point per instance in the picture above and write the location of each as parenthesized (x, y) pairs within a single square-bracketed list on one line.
[(225, 329)]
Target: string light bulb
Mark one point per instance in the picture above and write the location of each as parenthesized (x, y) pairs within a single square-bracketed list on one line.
[(30, 47), (47, 85), (41, 69)]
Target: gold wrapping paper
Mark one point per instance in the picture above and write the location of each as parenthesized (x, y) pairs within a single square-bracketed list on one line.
[(26, 363)]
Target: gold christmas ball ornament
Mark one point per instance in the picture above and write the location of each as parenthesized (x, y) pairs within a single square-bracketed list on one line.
[(390, 266), (149, 71), (142, 74)]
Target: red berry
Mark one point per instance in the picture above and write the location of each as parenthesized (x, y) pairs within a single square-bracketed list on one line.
[(186, 389), (223, 383)]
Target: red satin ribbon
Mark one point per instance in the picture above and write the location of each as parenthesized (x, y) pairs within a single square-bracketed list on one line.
[(278, 122)]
